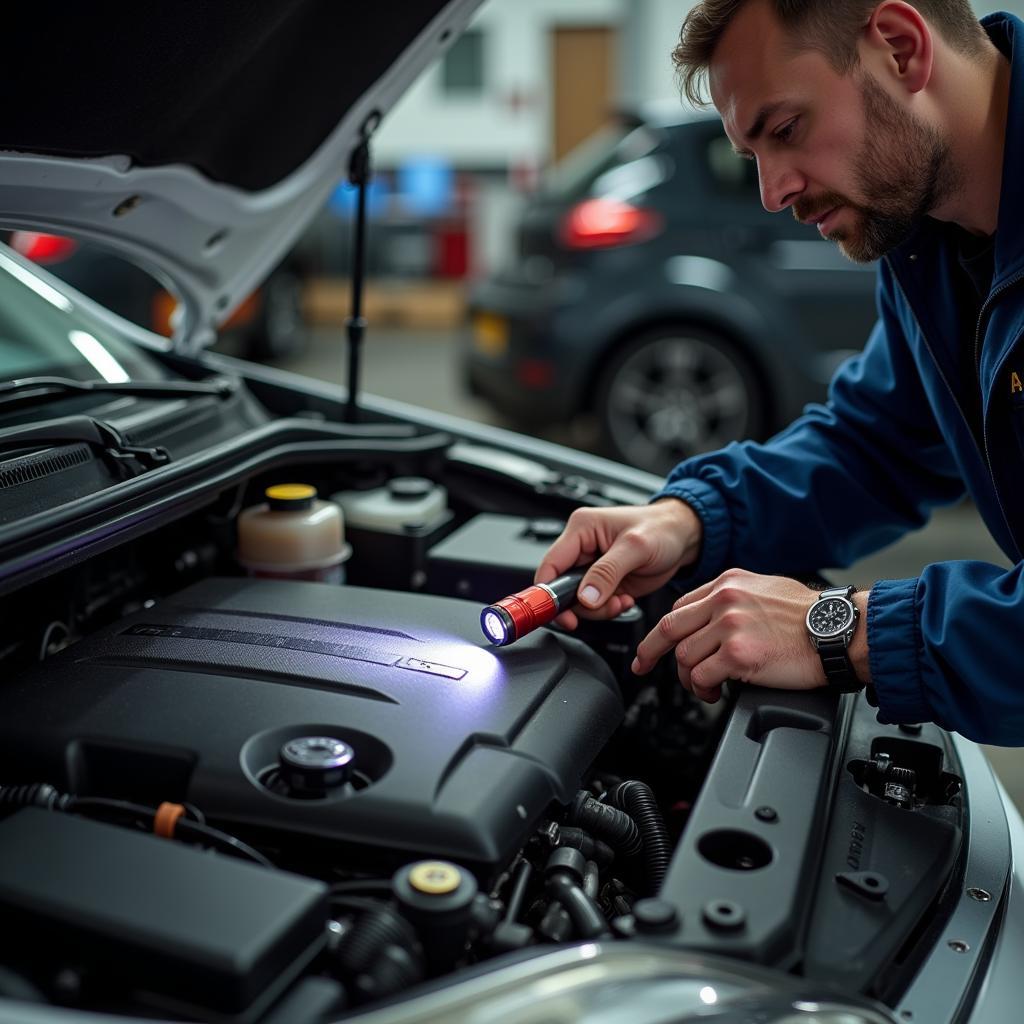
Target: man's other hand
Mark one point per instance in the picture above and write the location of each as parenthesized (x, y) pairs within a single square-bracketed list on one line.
[(740, 626), (638, 548)]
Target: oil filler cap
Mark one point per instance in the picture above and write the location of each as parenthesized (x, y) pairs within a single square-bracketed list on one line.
[(434, 877), (434, 894), (315, 764)]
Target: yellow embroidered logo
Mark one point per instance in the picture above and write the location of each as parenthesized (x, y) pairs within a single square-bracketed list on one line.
[(1015, 384)]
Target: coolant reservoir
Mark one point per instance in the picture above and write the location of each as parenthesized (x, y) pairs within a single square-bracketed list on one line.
[(294, 536), (406, 503)]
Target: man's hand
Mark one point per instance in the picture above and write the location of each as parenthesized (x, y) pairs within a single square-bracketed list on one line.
[(640, 547), (740, 626)]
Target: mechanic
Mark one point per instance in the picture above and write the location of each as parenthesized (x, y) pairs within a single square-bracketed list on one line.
[(898, 129)]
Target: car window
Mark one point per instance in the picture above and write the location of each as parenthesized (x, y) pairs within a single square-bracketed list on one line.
[(612, 147), (44, 332), (730, 175)]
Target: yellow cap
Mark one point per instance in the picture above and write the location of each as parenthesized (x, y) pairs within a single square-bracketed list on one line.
[(435, 877), (290, 492)]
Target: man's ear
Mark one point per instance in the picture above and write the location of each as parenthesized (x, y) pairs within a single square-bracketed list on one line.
[(897, 43)]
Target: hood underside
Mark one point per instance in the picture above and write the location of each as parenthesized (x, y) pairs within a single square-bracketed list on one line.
[(199, 141)]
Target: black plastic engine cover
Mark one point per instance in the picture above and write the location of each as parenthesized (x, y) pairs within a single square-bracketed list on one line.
[(461, 746)]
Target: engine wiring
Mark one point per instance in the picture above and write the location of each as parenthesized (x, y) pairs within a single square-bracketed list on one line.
[(187, 825)]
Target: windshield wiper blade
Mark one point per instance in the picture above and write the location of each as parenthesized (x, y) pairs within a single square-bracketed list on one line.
[(28, 390), (127, 459)]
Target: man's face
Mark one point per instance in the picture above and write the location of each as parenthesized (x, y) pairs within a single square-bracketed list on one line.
[(837, 149)]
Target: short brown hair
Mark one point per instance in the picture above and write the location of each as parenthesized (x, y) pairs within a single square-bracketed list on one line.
[(829, 27)]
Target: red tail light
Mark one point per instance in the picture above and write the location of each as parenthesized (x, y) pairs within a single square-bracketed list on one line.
[(42, 249), (604, 223)]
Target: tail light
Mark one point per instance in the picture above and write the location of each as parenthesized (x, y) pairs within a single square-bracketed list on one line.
[(605, 223), (42, 249)]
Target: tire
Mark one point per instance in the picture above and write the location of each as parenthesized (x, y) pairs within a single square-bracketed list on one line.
[(674, 392), (280, 330)]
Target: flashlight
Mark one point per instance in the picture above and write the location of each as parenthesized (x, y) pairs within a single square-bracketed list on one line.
[(513, 617)]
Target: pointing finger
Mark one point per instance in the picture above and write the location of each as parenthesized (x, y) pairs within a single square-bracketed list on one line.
[(670, 630)]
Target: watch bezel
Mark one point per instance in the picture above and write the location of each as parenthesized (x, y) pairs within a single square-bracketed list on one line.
[(842, 630)]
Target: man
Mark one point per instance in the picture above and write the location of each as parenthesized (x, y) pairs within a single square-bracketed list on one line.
[(898, 130)]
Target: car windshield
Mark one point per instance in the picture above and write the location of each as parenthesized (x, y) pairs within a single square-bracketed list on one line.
[(43, 332), (612, 146)]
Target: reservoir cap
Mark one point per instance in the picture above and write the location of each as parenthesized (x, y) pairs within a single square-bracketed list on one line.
[(290, 497)]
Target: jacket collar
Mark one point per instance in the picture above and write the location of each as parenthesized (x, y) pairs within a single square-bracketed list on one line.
[(1007, 32)]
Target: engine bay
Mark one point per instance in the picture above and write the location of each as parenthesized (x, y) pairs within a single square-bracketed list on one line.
[(363, 796)]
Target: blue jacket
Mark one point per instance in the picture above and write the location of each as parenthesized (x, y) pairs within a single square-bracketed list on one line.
[(892, 444)]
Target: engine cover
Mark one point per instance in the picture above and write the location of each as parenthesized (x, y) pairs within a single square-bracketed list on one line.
[(459, 748)]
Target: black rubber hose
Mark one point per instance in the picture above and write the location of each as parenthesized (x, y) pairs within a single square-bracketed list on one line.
[(612, 824), (372, 931), (379, 955), (33, 794), (593, 849), (587, 919), (519, 884), (636, 799)]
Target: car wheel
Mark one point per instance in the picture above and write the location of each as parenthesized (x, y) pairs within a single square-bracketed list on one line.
[(280, 330), (676, 392)]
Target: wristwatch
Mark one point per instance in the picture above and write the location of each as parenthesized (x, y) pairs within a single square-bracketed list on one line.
[(831, 622)]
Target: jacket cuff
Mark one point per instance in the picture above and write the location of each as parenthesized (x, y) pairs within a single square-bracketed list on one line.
[(894, 653), (710, 507)]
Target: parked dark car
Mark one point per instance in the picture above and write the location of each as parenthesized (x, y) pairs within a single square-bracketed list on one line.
[(648, 287), (236, 787)]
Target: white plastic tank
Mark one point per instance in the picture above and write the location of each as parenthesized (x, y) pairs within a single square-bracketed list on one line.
[(404, 503), (293, 535)]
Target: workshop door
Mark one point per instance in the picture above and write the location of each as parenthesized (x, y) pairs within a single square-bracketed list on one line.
[(584, 82)]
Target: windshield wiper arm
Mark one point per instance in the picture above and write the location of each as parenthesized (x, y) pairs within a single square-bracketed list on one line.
[(127, 459), (29, 390)]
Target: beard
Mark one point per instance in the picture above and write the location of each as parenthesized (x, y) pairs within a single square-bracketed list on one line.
[(903, 171)]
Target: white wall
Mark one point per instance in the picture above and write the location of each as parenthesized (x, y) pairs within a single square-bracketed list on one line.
[(487, 131)]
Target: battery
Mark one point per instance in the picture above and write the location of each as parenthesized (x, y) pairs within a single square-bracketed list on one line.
[(192, 930)]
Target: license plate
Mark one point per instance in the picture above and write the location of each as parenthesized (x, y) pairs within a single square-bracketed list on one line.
[(490, 334)]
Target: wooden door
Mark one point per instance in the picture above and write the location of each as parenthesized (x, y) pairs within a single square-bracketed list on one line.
[(584, 83)]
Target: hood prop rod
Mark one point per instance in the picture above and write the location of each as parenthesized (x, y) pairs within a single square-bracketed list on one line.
[(359, 174)]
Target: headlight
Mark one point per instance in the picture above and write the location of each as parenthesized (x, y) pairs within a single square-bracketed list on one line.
[(628, 981)]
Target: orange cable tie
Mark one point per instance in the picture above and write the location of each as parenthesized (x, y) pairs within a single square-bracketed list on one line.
[(166, 819)]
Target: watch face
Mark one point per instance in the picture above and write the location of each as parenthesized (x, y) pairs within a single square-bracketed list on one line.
[(830, 617)]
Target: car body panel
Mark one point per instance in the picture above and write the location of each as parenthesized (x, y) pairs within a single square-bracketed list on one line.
[(210, 242)]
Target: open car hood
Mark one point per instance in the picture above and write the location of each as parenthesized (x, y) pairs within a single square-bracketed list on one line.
[(199, 142)]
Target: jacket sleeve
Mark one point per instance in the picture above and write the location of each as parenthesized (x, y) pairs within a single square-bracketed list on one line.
[(945, 648), (844, 480)]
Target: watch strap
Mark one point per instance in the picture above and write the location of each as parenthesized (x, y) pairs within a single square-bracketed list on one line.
[(835, 659), (838, 667)]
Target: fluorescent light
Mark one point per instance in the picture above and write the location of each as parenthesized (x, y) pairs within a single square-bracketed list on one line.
[(41, 288), (98, 357)]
